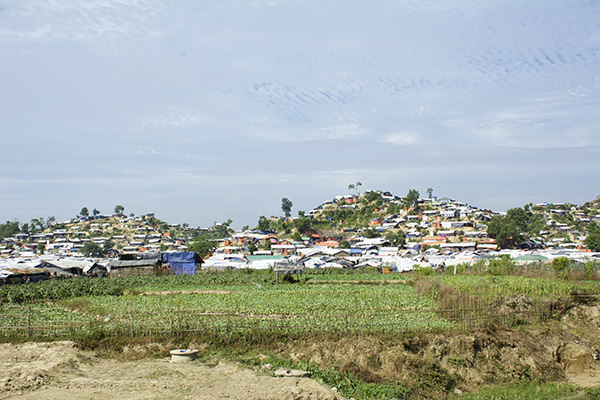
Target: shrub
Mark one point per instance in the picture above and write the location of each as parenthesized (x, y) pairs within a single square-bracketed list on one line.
[(424, 271), (501, 266), (560, 265)]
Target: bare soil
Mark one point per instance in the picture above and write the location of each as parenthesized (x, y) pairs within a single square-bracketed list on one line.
[(59, 371), (566, 349)]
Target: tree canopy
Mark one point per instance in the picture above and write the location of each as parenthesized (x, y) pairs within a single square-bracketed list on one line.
[(263, 224), (592, 241), (91, 249), (286, 206), (508, 229), (203, 245), (412, 197), (9, 229), (355, 186)]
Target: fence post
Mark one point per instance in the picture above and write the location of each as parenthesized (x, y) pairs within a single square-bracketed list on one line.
[(131, 321), (29, 321)]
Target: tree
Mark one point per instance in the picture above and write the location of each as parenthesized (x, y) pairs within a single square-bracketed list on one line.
[(302, 224), (109, 244), (296, 237), (202, 245), (41, 247), (371, 233), (592, 241), (560, 265), (84, 212), (396, 239), (50, 221), (344, 244), (91, 249), (508, 230), (119, 209), (9, 229), (355, 186), (412, 197), (37, 224), (96, 212), (286, 206), (263, 224), (429, 192), (221, 230)]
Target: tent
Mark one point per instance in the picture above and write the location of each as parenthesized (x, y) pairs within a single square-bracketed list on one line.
[(531, 257), (182, 263)]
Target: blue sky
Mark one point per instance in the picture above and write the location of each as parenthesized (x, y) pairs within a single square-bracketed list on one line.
[(203, 111)]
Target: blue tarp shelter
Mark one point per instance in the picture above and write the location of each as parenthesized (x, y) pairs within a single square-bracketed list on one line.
[(182, 263)]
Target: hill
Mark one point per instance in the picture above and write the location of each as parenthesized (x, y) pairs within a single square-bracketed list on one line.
[(408, 221)]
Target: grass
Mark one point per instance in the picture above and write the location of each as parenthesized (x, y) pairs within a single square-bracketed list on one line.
[(236, 313), (241, 310), (532, 390)]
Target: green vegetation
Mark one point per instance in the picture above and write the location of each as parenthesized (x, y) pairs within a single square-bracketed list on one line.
[(355, 186), (9, 229), (286, 206), (560, 265), (510, 230), (529, 390), (91, 249), (244, 313), (593, 239)]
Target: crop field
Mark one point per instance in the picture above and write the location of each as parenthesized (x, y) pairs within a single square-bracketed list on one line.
[(286, 309), (518, 285), (38, 320), (241, 304)]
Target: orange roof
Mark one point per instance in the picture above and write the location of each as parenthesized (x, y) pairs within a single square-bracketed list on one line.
[(330, 243), (435, 239), (434, 243)]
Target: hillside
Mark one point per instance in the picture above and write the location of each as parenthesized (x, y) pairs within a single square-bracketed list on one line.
[(422, 223)]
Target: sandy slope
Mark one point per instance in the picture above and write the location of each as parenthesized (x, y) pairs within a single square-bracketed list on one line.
[(58, 371)]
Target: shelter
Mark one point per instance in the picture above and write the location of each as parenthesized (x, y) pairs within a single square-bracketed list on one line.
[(185, 263), (141, 264)]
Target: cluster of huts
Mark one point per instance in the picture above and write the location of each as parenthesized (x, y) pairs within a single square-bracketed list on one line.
[(27, 270)]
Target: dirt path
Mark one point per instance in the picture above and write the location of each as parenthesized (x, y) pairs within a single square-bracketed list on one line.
[(58, 371)]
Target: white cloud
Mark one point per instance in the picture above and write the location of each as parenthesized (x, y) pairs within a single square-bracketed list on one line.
[(402, 138), (176, 117), (251, 98), (79, 20)]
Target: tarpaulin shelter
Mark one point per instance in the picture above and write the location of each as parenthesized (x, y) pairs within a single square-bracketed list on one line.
[(182, 263), (142, 264)]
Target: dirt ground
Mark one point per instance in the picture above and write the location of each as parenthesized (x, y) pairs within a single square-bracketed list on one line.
[(566, 350), (59, 371)]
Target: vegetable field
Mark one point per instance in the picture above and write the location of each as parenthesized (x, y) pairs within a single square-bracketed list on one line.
[(240, 305)]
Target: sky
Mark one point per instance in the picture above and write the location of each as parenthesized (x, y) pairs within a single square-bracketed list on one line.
[(202, 111)]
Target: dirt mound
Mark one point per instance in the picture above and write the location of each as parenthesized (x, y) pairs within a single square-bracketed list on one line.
[(429, 365), (56, 371), (565, 349)]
